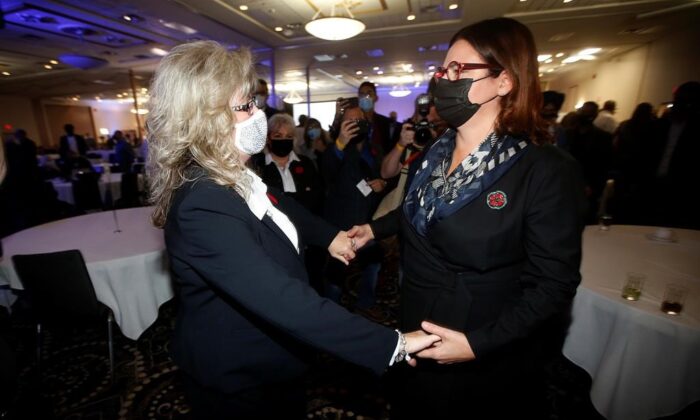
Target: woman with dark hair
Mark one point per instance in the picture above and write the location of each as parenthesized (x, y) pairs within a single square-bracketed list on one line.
[(491, 235)]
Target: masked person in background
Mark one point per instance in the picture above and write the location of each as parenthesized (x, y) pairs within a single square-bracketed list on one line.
[(491, 236), (262, 94), (247, 317), (350, 169), (315, 141)]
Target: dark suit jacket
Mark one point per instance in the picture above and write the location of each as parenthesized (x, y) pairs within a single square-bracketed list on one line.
[(247, 315), (64, 147), (381, 133), (498, 274), (306, 180)]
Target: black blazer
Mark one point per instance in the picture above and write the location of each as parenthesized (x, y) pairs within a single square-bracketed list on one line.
[(64, 147), (498, 275), (306, 180), (247, 314)]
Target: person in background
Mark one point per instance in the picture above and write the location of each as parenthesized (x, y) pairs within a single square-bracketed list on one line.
[(20, 198), (592, 148), (380, 126), (491, 237), (605, 120), (299, 132), (262, 94), (673, 165), (247, 317), (123, 151), (316, 141), (354, 187), (90, 142), (394, 125), (552, 103), (71, 145), (281, 168)]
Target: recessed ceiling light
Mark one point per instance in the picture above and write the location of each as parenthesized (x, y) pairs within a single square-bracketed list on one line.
[(568, 1), (380, 72), (243, 7), (431, 67), (48, 66), (411, 17), (561, 54), (365, 77), (452, 7), (6, 73), (589, 51), (127, 18), (375, 68), (159, 51), (541, 74), (53, 61), (278, 29), (550, 70), (548, 61), (543, 57), (358, 72)]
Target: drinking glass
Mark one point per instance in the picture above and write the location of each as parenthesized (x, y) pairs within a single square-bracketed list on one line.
[(634, 284), (674, 298)]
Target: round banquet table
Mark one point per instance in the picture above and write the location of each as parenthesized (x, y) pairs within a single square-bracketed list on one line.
[(128, 269), (111, 181), (643, 362)]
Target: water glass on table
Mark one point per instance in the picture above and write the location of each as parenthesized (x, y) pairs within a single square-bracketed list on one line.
[(634, 284), (604, 222), (674, 298)]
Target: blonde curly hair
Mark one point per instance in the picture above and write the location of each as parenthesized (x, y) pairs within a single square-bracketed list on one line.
[(190, 120)]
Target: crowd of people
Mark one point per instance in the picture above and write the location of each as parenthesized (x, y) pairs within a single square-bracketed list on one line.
[(648, 157), (28, 197)]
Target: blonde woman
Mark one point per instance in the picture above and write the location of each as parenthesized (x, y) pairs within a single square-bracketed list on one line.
[(247, 316)]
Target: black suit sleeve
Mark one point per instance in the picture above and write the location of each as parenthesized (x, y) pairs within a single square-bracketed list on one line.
[(313, 229), (387, 225), (552, 239), (225, 250)]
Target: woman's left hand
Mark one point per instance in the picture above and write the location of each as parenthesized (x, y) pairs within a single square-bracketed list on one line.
[(452, 348)]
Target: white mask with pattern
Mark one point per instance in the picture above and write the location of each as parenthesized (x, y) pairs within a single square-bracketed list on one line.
[(250, 135)]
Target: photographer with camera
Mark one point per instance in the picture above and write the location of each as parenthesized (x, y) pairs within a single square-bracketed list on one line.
[(417, 133)]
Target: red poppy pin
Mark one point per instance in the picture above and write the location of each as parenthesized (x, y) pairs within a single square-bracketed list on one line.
[(497, 200), (273, 199), (299, 170)]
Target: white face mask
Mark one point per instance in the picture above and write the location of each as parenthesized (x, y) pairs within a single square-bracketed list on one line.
[(250, 135)]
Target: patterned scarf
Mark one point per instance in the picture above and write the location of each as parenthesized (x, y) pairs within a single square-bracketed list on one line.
[(433, 195)]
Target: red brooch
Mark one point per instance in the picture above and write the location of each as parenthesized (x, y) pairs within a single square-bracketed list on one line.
[(299, 170), (497, 200), (273, 199)]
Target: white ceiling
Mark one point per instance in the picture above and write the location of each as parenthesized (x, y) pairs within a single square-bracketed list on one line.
[(36, 32)]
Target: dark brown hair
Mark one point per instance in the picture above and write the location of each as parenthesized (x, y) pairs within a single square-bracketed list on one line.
[(508, 44)]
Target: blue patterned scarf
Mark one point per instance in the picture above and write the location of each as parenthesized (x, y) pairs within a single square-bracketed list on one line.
[(433, 195)]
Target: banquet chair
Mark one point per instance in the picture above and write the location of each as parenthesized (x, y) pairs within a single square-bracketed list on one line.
[(86, 191), (62, 295)]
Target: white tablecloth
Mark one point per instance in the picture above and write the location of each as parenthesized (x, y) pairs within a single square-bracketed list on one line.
[(644, 363), (129, 269), (113, 181)]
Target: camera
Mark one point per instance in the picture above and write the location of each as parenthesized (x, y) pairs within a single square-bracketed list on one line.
[(423, 127)]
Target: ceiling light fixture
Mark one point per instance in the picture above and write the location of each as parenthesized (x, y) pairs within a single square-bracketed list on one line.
[(561, 54), (48, 66), (334, 28), (293, 98), (453, 6), (411, 17), (380, 71), (543, 57), (399, 91), (159, 52), (589, 51), (358, 72), (53, 61), (375, 68), (278, 29), (243, 7), (6, 73)]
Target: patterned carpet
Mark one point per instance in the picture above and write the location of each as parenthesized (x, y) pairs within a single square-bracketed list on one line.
[(74, 383)]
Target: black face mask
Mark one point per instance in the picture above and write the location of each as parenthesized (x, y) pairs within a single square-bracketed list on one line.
[(281, 147), (362, 132), (452, 100)]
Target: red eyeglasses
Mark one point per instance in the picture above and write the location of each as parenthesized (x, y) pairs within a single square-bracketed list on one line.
[(454, 70)]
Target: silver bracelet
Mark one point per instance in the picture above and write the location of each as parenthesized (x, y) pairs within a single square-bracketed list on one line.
[(402, 354)]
